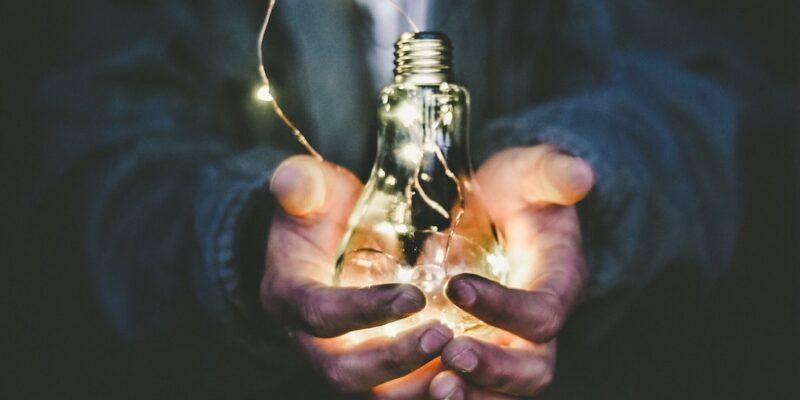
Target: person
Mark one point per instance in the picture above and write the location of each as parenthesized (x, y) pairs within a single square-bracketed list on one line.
[(607, 140)]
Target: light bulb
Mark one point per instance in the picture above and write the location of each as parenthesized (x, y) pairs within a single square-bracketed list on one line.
[(420, 219)]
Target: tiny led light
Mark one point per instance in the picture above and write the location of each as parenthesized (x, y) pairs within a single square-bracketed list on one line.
[(410, 153), (263, 94), (439, 256), (401, 229), (407, 114), (384, 228), (498, 263), (392, 329), (405, 275)]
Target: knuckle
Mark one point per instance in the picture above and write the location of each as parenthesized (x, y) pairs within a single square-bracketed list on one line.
[(271, 299), (501, 378), (396, 363), (548, 318), (313, 318), (542, 378), (336, 374), (545, 379)]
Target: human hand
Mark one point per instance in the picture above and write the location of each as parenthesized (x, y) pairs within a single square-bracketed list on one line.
[(316, 200), (530, 193)]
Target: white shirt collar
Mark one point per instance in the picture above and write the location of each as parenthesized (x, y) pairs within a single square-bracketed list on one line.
[(387, 26)]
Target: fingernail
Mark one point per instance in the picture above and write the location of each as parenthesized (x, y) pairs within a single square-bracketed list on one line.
[(465, 361), (580, 173), (299, 186), (434, 339), (407, 302), (572, 176), (446, 387), (461, 293)]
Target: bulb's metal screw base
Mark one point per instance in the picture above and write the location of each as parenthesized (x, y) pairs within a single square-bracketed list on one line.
[(423, 58)]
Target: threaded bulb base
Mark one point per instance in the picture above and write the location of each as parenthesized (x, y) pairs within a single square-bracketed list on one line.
[(423, 58)]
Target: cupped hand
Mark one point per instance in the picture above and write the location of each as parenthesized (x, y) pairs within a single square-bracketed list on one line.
[(316, 199), (530, 193)]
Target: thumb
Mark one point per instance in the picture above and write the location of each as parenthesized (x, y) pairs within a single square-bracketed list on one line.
[(316, 198), (538, 174), (299, 185), (561, 178), (306, 187)]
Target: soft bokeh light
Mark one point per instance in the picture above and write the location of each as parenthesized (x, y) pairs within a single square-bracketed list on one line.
[(410, 153), (408, 115), (263, 94)]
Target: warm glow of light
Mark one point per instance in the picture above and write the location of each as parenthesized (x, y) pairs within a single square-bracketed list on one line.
[(401, 229), (392, 329), (387, 228), (447, 115), (405, 274), (439, 256), (498, 263), (384, 228), (449, 317), (408, 114), (410, 153), (263, 94)]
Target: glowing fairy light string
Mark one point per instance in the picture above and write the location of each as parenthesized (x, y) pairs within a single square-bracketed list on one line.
[(264, 92), (431, 202), (461, 203)]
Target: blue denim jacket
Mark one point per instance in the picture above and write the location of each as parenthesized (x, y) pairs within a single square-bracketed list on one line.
[(152, 125)]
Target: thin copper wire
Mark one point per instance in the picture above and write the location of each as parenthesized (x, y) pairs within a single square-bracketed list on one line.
[(431, 202), (371, 250), (265, 80), (405, 14), (418, 186), (461, 203)]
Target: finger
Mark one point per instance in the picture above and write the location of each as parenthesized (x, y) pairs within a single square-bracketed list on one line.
[(299, 185), (448, 385), (563, 179), (302, 246), (538, 174), (325, 311), (535, 315), (370, 363), (412, 386), (523, 370), (316, 218), (305, 186)]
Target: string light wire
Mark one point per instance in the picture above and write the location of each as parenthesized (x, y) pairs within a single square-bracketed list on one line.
[(262, 72), (403, 12)]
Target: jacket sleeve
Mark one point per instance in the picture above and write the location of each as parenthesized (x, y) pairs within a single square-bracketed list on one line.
[(660, 134), (158, 190)]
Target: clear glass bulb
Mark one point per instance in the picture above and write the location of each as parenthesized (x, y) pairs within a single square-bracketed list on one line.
[(420, 218)]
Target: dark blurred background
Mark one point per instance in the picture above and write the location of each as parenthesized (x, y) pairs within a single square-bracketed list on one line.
[(742, 343)]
